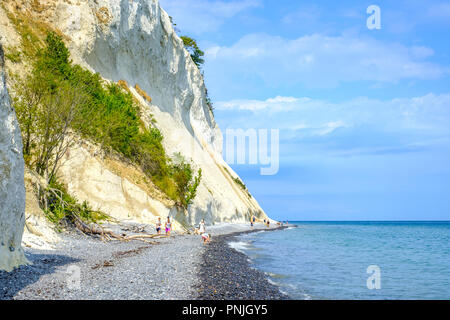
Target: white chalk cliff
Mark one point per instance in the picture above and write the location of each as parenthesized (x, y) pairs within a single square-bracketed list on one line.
[(134, 41), (12, 189)]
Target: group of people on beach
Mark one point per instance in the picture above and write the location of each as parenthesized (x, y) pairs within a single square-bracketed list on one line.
[(253, 221), (201, 230), (168, 227), (206, 237)]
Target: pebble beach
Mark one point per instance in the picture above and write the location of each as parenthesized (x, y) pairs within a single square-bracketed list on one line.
[(226, 274), (180, 267)]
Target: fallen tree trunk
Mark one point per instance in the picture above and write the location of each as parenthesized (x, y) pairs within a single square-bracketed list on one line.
[(95, 229), (152, 236)]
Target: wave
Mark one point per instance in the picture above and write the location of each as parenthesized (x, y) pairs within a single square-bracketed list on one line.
[(276, 275), (240, 246), (253, 253), (286, 288)]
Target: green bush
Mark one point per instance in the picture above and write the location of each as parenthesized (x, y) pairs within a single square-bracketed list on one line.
[(238, 182), (195, 52), (60, 205), (187, 183)]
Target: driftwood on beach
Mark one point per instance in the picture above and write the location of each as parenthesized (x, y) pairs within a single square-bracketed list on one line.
[(94, 228)]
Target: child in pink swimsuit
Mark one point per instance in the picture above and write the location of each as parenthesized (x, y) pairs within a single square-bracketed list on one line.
[(168, 226)]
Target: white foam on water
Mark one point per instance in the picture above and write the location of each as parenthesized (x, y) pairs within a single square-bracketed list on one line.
[(256, 232), (298, 292), (284, 292), (279, 286), (240, 246), (307, 296)]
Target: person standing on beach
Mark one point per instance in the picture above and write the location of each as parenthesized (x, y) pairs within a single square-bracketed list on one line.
[(168, 226), (158, 226), (202, 229)]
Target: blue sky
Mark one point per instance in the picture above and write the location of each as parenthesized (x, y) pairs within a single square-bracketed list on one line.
[(364, 115)]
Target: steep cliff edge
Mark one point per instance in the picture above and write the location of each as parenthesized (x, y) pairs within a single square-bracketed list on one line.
[(134, 41), (12, 189)]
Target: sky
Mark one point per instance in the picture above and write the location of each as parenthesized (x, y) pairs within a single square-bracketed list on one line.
[(363, 114)]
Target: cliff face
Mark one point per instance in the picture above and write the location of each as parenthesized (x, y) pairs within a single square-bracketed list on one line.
[(12, 189), (134, 41)]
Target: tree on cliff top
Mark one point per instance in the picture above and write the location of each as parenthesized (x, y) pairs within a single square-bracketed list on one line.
[(194, 50)]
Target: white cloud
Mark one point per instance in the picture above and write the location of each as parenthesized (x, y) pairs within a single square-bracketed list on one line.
[(200, 16), (439, 10), (277, 103), (331, 126), (426, 116), (361, 127), (321, 61), (304, 14)]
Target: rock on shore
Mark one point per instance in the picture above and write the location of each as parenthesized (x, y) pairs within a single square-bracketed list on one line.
[(226, 274)]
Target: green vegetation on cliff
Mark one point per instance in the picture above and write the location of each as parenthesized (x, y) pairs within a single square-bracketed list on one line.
[(196, 54), (59, 206), (58, 98)]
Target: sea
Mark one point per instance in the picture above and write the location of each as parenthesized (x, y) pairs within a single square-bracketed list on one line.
[(354, 260)]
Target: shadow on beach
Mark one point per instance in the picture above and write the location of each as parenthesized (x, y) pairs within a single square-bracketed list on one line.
[(13, 282)]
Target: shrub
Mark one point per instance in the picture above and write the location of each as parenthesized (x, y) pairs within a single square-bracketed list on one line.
[(187, 183), (238, 182), (194, 50), (13, 55), (59, 205)]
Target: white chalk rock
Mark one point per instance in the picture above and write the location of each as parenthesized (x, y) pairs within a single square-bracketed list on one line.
[(134, 41), (12, 189)]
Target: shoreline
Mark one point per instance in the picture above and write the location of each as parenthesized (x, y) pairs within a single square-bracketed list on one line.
[(226, 274), (167, 269)]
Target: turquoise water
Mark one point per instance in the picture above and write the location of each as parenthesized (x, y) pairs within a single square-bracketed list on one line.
[(329, 260)]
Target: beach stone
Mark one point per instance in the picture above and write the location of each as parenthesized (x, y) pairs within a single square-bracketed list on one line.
[(225, 273)]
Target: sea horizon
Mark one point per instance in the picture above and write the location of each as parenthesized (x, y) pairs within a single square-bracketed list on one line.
[(365, 221)]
